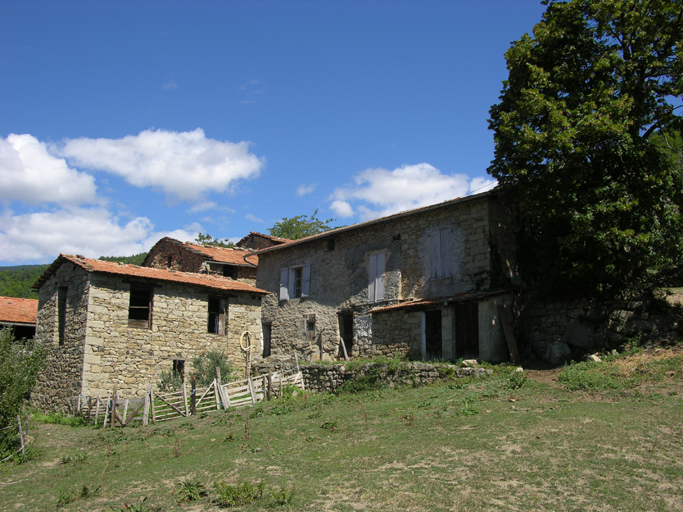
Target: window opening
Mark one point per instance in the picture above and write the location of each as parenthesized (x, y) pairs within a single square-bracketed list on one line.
[(179, 367), (61, 313), (267, 328), (140, 307), (218, 316), (297, 283), (229, 271), (310, 327)]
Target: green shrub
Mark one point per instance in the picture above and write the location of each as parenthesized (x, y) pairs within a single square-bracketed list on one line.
[(244, 493), (587, 376), (204, 370), (20, 362), (191, 491)]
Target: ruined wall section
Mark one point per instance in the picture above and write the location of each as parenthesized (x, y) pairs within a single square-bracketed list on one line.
[(63, 369), (129, 359), (181, 258)]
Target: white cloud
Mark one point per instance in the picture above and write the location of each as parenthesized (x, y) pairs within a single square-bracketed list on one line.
[(480, 184), (185, 165), (253, 218), (30, 174), (171, 85), (342, 209), (92, 232), (306, 189), (203, 206), (380, 192)]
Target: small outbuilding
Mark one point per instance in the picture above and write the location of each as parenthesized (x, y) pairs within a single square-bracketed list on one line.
[(19, 315)]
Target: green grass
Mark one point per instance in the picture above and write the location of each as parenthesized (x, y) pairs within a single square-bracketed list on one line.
[(501, 443)]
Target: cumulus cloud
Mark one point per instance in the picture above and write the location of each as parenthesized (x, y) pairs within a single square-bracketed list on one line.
[(253, 218), (92, 232), (203, 206), (379, 192), (302, 190), (478, 185), (30, 174), (185, 165), (342, 209)]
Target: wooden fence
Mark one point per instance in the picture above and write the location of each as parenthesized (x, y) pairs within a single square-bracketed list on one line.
[(157, 406)]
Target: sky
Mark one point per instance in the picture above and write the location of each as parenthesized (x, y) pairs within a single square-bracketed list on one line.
[(123, 122)]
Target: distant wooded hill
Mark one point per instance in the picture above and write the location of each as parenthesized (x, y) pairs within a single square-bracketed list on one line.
[(17, 281)]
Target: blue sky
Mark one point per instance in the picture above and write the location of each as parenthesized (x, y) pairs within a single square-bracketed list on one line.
[(123, 122)]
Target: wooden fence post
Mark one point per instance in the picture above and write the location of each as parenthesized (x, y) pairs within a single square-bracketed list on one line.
[(187, 410), (21, 434), (145, 411), (193, 395)]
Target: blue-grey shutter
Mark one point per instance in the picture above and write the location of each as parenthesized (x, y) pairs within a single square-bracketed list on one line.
[(284, 279), (372, 273), (446, 256), (379, 281), (305, 280), (435, 255)]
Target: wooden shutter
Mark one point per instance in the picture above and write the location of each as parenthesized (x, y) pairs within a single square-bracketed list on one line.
[(305, 280), (284, 280), (446, 257), (435, 255), (223, 317), (379, 280), (371, 278)]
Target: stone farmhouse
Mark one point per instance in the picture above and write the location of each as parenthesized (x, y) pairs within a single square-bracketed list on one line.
[(19, 315), (171, 254), (255, 241), (112, 326), (425, 283)]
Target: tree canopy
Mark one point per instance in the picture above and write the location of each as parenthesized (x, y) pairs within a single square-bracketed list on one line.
[(300, 226), (207, 239), (591, 103)]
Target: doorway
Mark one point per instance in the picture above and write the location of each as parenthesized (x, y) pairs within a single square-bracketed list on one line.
[(467, 330), (346, 331), (432, 335)]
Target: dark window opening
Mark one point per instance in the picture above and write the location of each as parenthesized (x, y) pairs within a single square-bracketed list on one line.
[(330, 244), (169, 261), (310, 327), (267, 328), (179, 367), (433, 335), (467, 330), (346, 331), (230, 271), (298, 274), (140, 308), (61, 313), (218, 315)]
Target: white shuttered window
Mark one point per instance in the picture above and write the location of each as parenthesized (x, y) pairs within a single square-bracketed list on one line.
[(376, 277), (295, 282), (440, 257)]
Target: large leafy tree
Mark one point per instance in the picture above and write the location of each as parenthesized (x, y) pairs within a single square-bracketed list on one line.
[(300, 226), (581, 135)]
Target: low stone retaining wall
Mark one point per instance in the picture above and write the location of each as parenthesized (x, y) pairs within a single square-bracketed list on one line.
[(320, 378)]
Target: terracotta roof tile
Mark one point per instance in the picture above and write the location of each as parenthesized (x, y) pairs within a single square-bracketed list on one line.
[(18, 311), (225, 254), (108, 267), (460, 297)]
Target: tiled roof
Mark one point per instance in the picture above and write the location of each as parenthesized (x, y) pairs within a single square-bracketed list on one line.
[(460, 297), (343, 229), (18, 311), (274, 239), (224, 254), (108, 267)]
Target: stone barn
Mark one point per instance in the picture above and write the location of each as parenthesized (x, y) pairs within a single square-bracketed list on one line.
[(425, 284), (110, 326)]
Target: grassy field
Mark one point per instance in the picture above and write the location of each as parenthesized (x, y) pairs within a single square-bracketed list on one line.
[(594, 436)]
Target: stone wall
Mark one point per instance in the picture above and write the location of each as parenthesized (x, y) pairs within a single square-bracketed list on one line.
[(319, 378), (103, 353), (181, 258), (339, 266), (62, 374)]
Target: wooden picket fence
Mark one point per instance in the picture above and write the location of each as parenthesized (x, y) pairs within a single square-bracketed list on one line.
[(156, 406)]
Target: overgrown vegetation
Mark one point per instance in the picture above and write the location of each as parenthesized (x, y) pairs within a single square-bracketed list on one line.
[(19, 366), (514, 440), (203, 369), (300, 226)]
